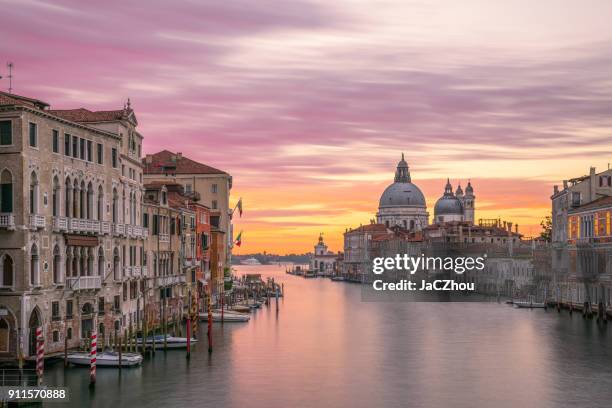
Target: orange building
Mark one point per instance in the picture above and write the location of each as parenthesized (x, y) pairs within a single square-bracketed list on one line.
[(590, 222)]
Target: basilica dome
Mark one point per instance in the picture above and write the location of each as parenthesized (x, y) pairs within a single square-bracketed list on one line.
[(402, 203), (448, 204), (402, 194)]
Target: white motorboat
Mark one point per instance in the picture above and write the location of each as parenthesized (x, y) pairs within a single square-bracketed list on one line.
[(171, 342), (526, 304), (106, 358), (337, 278), (228, 316)]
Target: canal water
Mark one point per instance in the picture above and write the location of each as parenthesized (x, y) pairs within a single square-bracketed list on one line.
[(324, 347)]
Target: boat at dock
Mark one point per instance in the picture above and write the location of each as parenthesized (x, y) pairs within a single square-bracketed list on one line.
[(337, 278), (240, 308), (107, 358), (171, 342), (310, 274), (228, 317), (526, 304)]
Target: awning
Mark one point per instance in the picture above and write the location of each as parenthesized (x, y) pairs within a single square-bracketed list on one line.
[(81, 240)]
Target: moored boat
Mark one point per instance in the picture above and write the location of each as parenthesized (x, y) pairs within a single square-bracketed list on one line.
[(171, 342), (526, 304), (228, 317), (240, 308), (106, 358), (337, 278)]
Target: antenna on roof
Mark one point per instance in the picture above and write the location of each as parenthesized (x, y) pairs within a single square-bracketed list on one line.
[(9, 65)]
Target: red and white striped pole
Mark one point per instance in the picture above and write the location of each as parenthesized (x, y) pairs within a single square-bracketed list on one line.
[(92, 358), (40, 354)]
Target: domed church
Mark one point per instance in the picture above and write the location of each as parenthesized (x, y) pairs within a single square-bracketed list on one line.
[(403, 203), (455, 206)]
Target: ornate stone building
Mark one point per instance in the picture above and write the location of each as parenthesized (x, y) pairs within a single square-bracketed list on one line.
[(70, 222)]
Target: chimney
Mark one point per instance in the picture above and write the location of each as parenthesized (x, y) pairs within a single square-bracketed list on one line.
[(516, 228), (555, 189), (564, 184), (148, 159), (179, 155), (592, 171), (510, 227)]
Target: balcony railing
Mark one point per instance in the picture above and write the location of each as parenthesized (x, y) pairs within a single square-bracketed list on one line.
[(84, 225), (60, 223), (127, 271), (136, 271), (84, 282), (7, 220), (145, 270), (37, 221), (119, 229), (168, 280), (105, 227), (164, 238)]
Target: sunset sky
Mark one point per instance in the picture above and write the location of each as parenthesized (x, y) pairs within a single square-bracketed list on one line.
[(309, 104)]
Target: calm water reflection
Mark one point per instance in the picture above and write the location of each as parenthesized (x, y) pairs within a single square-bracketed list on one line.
[(324, 347)]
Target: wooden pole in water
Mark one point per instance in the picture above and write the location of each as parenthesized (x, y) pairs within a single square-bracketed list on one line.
[(92, 359), (144, 322), (120, 354), (189, 326), (66, 345), (164, 325), (210, 346)]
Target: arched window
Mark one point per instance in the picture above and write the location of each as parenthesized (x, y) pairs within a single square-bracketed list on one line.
[(5, 330), (82, 203), (90, 262), (123, 207), (101, 262), (75, 262), (115, 198), (34, 273), (7, 271), (56, 197), (33, 193), (116, 265), (6, 192), (100, 207), (57, 267), (68, 198), (90, 202), (75, 199), (82, 262), (68, 262)]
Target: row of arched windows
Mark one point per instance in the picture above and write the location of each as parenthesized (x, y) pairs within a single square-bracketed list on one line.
[(80, 200), (75, 262)]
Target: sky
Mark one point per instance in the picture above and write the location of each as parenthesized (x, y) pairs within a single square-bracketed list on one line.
[(309, 104)]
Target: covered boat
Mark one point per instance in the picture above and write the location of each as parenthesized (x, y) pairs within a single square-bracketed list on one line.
[(107, 358)]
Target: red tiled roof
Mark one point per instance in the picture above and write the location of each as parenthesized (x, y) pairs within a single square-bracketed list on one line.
[(168, 162), (85, 115), (12, 99), (371, 228), (599, 203)]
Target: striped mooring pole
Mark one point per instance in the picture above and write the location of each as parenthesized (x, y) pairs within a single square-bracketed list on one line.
[(40, 354), (92, 358)]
